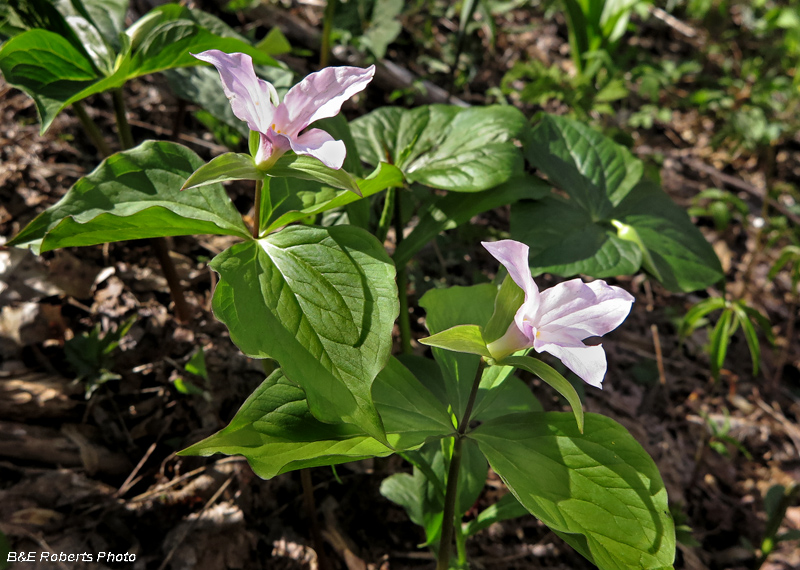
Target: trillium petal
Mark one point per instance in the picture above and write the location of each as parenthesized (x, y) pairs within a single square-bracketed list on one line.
[(320, 95), (322, 146), (588, 362), (594, 309), (250, 97), (265, 149), (514, 257)]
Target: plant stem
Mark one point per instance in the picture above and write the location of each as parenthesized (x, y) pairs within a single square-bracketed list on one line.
[(461, 546), (91, 129), (402, 278), (311, 511), (161, 250), (448, 518), (257, 210), (387, 215), (177, 120), (473, 394), (158, 244), (451, 493), (327, 28), (467, 12), (124, 128)]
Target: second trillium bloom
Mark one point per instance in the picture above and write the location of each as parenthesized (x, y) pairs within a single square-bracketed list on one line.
[(319, 96), (558, 319)]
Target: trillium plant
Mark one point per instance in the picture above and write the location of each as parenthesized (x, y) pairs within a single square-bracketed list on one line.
[(309, 286)]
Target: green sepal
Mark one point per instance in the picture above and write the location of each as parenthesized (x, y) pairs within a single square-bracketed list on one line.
[(225, 167), (552, 377), (307, 168), (509, 299), (253, 140), (288, 204), (461, 338)]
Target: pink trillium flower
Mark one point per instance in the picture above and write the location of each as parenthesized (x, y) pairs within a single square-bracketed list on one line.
[(558, 319), (255, 101)]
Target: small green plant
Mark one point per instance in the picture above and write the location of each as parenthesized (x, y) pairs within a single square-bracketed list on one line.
[(720, 205), (368, 25), (789, 258), (777, 500), (735, 314), (720, 435), (592, 90), (597, 26), (196, 366), (683, 532), (90, 355)]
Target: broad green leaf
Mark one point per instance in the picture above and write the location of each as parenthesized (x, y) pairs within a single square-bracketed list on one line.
[(684, 259), (415, 493), (225, 167), (292, 202), (461, 338), (134, 194), (509, 395), (612, 223), (602, 181), (453, 210), (464, 150), (408, 407), (409, 492), (48, 68), (599, 490), (307, 168), (320, 301), (422, 494), (508, 507), (447, 308), (176, 31), (629, 233), (564, 240), (428, 372), (508, 301), (93, 43), (556, 380), (276, 432), (274, 43), (56, 74), (30, 14), (108, 16), (471, 477), (596, 172)]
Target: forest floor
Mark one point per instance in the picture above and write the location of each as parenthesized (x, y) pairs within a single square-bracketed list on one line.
[(102, 475)]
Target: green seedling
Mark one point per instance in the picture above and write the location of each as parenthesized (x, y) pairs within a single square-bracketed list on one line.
[(721, 438), (735, 314), (196, 365), (91, 355), (720, 205)]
